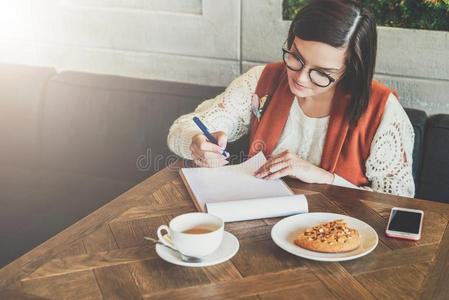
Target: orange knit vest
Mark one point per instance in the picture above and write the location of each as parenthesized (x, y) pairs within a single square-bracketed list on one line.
[(345, 152)]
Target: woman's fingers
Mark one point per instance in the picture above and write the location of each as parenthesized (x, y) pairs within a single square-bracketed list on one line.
[(273, 162), (278, 160), (283, 156), (222, 139), (263, 170), (270, 168), (206, 154), (211, 155), (277, 166), (200, 163), (209, 163), (201, 142), (281, 173), (208, 159)]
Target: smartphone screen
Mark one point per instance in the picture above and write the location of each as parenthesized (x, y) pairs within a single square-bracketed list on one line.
[(405, 221)]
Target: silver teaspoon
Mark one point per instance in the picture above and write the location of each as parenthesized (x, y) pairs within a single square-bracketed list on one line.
[(186, 258)]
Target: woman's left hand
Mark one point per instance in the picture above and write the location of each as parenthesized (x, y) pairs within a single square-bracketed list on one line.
[(290, 164)]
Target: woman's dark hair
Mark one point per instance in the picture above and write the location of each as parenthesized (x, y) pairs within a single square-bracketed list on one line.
[(341, 23)]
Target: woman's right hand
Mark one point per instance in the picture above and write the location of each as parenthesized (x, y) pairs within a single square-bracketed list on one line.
[(207, 154)]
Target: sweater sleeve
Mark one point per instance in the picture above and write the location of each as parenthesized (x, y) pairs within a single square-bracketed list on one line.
[(389, 165), (229, 112)]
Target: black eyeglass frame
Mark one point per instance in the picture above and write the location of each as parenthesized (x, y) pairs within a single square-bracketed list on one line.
[(285, 51)]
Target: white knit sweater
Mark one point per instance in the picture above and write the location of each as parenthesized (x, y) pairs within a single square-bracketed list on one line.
[(388, 167)]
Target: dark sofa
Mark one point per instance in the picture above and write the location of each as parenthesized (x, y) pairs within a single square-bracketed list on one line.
[(71, 142)]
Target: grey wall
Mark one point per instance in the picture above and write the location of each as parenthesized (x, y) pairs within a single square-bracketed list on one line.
[(195, 41), (198, 41)]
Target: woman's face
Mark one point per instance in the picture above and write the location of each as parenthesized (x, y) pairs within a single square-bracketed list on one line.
[(319, 56)]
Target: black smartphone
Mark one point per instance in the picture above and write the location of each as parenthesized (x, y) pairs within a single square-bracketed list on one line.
[(405, 223)]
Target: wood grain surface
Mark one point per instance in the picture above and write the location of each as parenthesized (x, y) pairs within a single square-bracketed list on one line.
[(104, 256)]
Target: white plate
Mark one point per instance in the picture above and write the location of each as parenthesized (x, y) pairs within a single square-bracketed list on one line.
[(284, 232), (228, 248)]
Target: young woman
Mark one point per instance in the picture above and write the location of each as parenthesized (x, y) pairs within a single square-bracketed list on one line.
[(318, 115)]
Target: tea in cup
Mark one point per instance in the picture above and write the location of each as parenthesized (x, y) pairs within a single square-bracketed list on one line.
[(193, 234)]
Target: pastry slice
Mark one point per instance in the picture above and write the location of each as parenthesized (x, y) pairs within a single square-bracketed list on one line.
[(331, 237)]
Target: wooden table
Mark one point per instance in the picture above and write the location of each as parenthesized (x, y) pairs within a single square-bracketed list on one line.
[(104, 255)]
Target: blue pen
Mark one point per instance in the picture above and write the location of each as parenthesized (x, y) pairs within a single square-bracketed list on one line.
[(209, 136)]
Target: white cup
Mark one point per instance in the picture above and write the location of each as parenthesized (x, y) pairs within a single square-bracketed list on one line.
[(197, 245)]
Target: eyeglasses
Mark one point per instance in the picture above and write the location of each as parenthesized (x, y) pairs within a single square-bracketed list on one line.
[(295, 63)]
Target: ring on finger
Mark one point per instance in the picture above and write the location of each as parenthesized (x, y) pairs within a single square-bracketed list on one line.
[(199, 161)]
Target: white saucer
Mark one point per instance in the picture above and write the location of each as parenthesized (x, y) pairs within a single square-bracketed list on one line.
[(284, 232), (228, 248)]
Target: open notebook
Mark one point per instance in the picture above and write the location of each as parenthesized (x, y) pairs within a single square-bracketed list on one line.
[(234, 194)]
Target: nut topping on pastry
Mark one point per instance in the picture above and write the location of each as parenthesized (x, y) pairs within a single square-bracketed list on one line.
[(331, 237)]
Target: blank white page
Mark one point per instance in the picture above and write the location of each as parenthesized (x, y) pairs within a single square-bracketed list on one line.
[(236, 182)]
